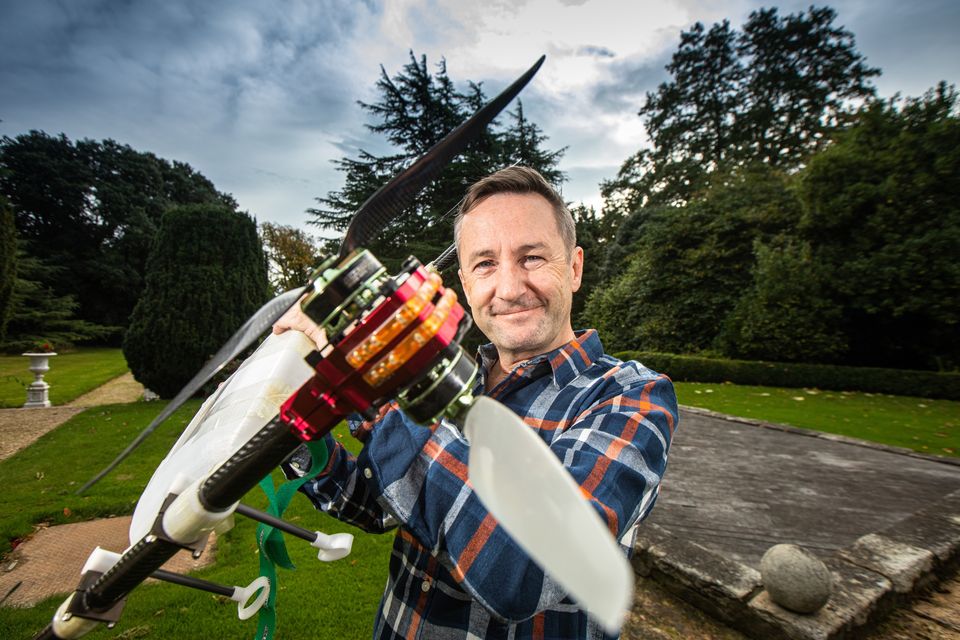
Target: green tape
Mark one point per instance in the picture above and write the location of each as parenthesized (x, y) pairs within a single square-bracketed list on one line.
[(273, 549)]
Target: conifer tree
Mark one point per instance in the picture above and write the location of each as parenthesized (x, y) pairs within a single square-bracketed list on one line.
[(206, 274)]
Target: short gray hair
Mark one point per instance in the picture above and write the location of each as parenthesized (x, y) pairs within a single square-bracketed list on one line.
[(518, 180)]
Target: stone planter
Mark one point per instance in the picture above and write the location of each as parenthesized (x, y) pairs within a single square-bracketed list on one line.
[(38, 391)]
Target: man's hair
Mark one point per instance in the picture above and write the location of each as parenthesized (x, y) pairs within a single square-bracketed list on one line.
[(518, 180)]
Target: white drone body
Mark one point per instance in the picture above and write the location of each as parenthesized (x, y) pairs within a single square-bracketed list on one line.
[(240, 407)]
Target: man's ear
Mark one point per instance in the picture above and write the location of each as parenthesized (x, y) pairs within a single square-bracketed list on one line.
[(577, 267)]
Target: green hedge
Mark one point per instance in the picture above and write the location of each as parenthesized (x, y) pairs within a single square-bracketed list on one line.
[(924, 384)]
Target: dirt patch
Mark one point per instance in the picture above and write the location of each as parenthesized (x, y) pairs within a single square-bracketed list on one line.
[(19, 428), (120, 390), (50, 561)]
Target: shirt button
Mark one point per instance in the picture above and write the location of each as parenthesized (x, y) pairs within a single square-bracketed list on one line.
[(425, 586), (367, 473)]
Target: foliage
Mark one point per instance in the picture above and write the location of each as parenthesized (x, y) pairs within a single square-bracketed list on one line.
[(415, 110), (785, 315), (681, 368), (38, 314), (291, 255), (594, 235), (71, 374), (771, 93), (882, 215), (93, 209), (206, 275), (679, 271), (8, 264)]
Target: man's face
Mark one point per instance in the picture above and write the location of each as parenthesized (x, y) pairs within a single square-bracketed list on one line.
[(518, 276)]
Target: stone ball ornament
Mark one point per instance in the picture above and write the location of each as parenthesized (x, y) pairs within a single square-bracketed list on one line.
[(795, 578)]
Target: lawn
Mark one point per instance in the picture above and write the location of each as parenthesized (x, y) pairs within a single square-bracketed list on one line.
[(71, 374), (921, 424)]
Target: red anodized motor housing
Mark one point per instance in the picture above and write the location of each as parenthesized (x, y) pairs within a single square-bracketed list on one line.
[(338, 388)]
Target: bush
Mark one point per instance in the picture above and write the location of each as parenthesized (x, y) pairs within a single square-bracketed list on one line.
[(925, 384), (206, 274)]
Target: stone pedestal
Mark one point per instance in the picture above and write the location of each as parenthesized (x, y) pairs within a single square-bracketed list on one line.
[(38, 391)]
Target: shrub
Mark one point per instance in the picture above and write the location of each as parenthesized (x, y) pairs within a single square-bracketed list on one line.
[(925, 384), (206, 274)]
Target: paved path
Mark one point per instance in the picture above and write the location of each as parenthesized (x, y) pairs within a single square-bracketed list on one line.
[(739, 489), (21, 427)]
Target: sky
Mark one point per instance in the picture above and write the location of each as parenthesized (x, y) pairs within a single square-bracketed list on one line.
[(261, 96)]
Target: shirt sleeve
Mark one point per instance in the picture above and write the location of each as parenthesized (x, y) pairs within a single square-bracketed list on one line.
[(342, 489), (615, 449)]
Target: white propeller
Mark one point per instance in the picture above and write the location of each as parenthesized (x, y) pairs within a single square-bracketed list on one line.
[(537, 502)]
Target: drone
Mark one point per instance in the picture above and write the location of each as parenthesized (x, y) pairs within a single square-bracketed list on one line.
[(391, 338)]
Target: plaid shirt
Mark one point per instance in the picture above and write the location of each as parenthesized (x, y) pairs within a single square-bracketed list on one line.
[(454, 573)]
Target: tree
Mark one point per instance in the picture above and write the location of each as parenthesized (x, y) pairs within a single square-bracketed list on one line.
[(8, 264), (415, 110), (771, 93), (882, 215), (93, 209), (679, 271), (38, 314), (291, 256), (804, 79), (594, 235), (206, 275), (786, 315)]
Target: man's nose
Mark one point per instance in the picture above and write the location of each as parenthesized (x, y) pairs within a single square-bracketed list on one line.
[(511, 281)]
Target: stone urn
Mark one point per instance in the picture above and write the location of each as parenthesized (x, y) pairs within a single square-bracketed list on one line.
[(38, 391)]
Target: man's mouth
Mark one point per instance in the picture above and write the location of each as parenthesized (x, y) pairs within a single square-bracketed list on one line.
[(513, 312)]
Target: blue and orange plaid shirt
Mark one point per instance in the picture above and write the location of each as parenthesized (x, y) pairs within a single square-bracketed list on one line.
[(454, 572)]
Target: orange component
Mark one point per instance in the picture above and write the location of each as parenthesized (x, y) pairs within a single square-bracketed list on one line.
[(413, 342), (390, 329)]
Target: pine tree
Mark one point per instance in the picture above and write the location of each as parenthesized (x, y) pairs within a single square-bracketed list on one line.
[(415, 110), (39, 315)]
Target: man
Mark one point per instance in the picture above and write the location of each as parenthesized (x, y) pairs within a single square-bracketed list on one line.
[(454, 573)]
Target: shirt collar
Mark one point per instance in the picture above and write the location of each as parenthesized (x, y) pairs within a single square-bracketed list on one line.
[(566, 362)]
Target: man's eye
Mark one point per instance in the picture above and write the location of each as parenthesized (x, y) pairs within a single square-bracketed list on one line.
[(486, 264), (532, 259)]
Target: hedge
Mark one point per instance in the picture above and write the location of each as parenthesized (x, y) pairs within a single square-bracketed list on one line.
[(924, 384)]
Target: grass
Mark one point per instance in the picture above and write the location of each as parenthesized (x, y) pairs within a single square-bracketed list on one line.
[(924, 425), (71, 374), (326, 600)]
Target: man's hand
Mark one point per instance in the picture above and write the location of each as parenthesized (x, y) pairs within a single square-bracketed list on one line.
[(297, 320)]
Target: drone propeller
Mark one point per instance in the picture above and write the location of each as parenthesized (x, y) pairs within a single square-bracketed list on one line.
[(524, 485), (245, 336), (373, 216)]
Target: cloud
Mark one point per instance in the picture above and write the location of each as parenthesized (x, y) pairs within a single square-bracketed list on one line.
[(600, 52), (260, 96)]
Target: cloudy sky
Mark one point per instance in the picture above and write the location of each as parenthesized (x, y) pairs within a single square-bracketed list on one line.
[(260, 96)]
